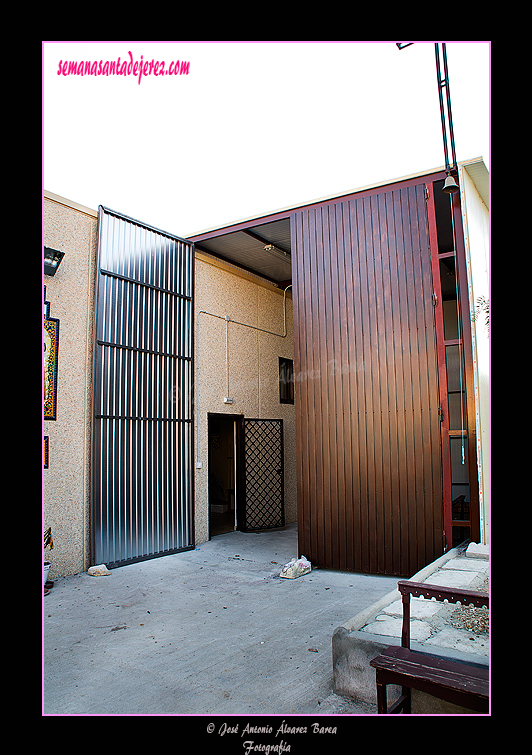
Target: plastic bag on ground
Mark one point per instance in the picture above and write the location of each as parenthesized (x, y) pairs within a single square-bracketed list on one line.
[(296, 568)]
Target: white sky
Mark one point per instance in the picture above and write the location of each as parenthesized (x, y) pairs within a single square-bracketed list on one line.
[(254, 126)]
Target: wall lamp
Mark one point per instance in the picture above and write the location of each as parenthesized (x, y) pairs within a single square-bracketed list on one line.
[(52, 260)]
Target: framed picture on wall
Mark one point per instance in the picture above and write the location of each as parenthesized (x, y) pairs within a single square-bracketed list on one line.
[(51, 348)]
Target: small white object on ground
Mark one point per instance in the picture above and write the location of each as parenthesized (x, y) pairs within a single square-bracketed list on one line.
[(98, 571), (296, 568)]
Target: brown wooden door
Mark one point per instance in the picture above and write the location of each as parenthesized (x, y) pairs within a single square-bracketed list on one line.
[(370, 493)]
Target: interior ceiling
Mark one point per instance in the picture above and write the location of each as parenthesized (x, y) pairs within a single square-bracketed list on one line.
[(246, 248)]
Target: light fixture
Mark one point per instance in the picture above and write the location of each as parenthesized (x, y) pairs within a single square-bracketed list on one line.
[(52, 260), (279, 253)]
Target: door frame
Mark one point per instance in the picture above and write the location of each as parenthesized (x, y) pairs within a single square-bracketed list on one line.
[(442, 370), (238, 420), (465, 328)]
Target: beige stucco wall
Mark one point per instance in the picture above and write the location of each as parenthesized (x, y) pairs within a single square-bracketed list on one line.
[(253, 358), (71, 229)]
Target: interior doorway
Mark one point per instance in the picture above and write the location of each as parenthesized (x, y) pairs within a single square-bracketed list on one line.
[(224, 473)]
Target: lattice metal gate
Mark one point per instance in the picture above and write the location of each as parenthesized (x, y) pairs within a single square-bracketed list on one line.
[(142, 464), (264, 474)]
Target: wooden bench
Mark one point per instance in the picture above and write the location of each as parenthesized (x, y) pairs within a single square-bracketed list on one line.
[(456, 682)]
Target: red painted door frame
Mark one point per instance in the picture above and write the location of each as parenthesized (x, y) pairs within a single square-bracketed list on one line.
[(465, 329), (442, 368), (467, 348)]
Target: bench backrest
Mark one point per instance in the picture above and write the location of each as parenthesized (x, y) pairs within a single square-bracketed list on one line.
[(450, 594)]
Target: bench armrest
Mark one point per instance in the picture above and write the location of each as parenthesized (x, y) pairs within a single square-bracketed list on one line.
[(451, 594), (421, 589)]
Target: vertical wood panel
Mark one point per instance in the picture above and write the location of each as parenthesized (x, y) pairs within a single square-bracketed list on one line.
[(369, 461)]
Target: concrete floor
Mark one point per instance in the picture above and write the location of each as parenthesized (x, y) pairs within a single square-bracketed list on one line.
[(209, 631)]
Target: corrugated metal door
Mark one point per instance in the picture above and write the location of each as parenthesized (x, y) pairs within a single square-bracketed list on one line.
[(368, 431), (142, 426), (264, 474)]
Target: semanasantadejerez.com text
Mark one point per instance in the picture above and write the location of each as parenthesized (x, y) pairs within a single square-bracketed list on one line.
[(118, 67)]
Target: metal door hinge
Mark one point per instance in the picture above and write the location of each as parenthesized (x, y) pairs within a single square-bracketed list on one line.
[(440, 413), (434, 298), (426, 194)]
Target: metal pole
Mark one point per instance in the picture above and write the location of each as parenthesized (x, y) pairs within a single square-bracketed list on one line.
[(449, 111), (442, 108), (444, 82)]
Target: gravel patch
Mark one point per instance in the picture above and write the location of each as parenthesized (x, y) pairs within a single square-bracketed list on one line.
[(475, 620)]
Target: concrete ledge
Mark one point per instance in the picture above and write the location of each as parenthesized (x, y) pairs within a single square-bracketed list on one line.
[(352, 649), (475, 550)]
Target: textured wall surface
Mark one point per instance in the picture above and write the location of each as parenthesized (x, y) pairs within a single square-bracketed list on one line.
[(66, 482), (253, 358)]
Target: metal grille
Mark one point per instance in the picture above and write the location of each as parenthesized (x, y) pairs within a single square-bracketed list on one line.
[(142, 428), (264, 470)]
